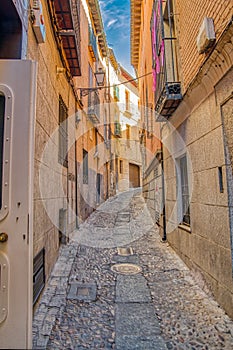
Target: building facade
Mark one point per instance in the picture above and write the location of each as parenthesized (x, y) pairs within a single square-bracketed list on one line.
[(49, 44), (93, 118), (58, 159), (149, 131), (38, 166), (126, 117), (192, 78)]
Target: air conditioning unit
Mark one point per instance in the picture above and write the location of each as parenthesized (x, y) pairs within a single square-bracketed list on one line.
[(38, 23), (36, 4), (206, 36)]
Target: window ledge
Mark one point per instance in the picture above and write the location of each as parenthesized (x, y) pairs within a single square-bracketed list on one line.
[(185, 228), (127, 113)]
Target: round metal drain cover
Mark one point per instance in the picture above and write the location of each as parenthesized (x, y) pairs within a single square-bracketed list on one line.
[(126, 269)]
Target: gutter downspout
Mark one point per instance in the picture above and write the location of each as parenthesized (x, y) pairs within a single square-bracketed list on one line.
[(76, 179), (164, 238)]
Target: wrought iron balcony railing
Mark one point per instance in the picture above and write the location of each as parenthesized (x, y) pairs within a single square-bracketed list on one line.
[(93, 110), (166, 84)]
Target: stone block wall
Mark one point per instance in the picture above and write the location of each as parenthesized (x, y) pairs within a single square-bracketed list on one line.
[(206, 246), (55, 190), (152, 190), (189, 16)]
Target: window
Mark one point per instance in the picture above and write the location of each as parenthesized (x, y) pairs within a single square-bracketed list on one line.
[(85, 167), (90, 85), (10, 31), (2, 114), (146, 112), (38, 274), (90, 76), (148, 116), (63, 134), (127, 132), (150, 127), (105, 126), (96, 140), (183, 191), (116, 93), (121, 166), (127, 106), (92, 44)]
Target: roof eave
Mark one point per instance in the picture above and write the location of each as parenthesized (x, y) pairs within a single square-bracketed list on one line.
[(135, 31)]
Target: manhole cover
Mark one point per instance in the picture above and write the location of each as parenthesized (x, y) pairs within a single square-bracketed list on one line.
[(82, 291), (126, 269)]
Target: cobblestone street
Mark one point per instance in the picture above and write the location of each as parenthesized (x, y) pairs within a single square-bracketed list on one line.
[(117, 286)]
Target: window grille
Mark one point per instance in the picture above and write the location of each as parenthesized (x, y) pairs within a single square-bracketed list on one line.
[(117, 129), (63, 134), (157, 216), (156, 172), (184, 190), (93, 110), (38, 274), (121, 166), (85, 167)]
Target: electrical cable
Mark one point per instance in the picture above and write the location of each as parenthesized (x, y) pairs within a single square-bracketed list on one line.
[(109, 86)]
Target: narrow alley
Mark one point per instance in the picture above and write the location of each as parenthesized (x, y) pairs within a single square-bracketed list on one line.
[(116, 174), (117, 286)]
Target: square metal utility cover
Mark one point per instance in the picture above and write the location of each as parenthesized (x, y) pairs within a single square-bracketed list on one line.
[(82, 291), (125, 251)]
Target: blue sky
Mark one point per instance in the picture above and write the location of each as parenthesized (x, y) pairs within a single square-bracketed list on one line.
[(116, 18)]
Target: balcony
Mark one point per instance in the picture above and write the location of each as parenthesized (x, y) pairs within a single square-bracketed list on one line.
[(68, 26), (92, 44), (117, 129), (93, 110), (166, 84)]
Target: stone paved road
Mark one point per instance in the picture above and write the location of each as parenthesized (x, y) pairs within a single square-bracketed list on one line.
[(87, 305)]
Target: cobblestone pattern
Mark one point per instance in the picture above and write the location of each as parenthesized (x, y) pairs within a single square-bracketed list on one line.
[(188, 317), (88, 325), (52, 304)]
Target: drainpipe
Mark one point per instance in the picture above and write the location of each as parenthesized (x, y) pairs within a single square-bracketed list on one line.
[(109, 137), (164, 238), (76, 185)]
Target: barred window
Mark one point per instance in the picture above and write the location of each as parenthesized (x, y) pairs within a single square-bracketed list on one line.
[(85, 167), (63, 134), (121, 166), (183, 190)]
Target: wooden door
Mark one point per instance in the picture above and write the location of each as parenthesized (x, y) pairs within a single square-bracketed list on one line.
[(134, 176)]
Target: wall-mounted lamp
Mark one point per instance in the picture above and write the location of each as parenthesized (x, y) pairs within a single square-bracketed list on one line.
[(99, 76)]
